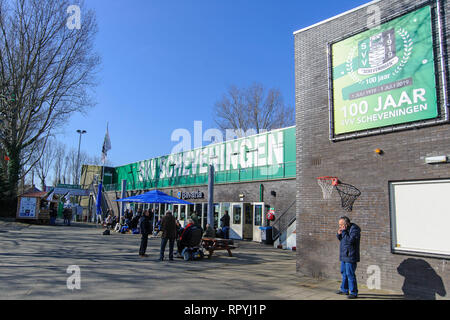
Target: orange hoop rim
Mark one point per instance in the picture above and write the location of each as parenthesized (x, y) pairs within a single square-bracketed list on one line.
[(334, 180)]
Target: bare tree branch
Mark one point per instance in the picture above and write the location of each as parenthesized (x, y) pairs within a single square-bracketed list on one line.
[(253, 108), (47, 73)]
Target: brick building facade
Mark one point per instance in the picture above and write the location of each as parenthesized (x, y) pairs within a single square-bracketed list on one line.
[(354, 161)]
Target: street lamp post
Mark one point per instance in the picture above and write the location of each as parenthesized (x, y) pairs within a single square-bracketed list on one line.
[(81, 132), (78, 157)]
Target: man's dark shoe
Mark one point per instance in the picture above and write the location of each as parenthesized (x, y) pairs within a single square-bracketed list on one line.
[(340, 292), (351, 296)]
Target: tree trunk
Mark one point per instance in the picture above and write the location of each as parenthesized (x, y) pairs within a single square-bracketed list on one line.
[(14, 168)]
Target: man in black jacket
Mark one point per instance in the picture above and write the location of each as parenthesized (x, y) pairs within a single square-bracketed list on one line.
[(169, 233), (146, 229), (225, 224)]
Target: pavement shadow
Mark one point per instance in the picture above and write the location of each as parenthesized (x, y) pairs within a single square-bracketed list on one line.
[(421, 280)]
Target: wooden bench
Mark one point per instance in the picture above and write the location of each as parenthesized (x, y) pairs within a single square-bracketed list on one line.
[(213, 244)]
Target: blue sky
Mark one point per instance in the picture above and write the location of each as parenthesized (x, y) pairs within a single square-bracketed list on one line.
[(165, 63)]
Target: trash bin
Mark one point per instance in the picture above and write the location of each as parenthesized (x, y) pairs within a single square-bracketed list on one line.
[(266, 235)]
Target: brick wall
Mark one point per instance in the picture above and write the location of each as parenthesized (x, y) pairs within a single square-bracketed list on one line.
[(355, 162)]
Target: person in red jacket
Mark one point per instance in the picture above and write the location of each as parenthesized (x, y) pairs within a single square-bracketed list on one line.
[(185, 236)]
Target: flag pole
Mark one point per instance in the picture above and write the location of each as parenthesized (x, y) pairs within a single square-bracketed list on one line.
[(104, 159), (104, 151)]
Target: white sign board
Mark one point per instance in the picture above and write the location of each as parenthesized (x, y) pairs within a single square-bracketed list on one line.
[(27, 207), (420, 216)]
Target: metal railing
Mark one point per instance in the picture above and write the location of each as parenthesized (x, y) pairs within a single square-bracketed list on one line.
[(282, 223)]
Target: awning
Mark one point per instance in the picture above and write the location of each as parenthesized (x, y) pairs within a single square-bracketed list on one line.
[(154, 196)]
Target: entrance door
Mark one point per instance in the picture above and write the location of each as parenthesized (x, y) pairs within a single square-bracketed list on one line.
[(248, 222), (182, 214), (175, 211), (199, 210), (258, 220), (216, 215), (236, 221)]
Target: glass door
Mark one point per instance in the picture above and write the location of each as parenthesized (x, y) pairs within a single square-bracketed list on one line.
[(248, 222), (258, 220), (182, 213), (236, 231), (175, 211), (216, 215), (204, 219)]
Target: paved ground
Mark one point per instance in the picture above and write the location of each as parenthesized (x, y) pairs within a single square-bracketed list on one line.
[(34, 261)]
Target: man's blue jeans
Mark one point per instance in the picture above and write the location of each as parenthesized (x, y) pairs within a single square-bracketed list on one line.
[(349, 284), (226, 232)]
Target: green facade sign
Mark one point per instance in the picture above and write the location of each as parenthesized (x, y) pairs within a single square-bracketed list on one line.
[(385, 76), (269, 155)]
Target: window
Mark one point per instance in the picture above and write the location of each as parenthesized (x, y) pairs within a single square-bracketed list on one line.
[(183, 212), (216, 215), (258, 215), (237, 213)]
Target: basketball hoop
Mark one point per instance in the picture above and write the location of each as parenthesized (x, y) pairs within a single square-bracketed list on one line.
[(327, 184), (348, 194)]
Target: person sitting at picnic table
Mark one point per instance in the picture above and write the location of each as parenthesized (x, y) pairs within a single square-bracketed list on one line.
[(194, 218), (209, 232), (113, 221), (108, 221), (133, 223), (185, 236), (157, 227), (117, 227), (225, 224)]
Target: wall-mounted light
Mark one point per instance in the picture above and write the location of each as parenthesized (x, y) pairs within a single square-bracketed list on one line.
[(438, 159), (378, 151), (273, 193)]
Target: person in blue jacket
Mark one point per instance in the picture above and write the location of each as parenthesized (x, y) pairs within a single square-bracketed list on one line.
[(349, 235)]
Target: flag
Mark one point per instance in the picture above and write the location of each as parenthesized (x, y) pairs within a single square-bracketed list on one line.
[(99, 199), (63, 198), (49, 195), (106, 145)]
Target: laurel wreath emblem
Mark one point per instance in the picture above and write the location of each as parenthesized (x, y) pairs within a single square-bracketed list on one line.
[(407, 50), (408, 46)]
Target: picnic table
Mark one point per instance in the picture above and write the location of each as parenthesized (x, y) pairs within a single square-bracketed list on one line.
[(213, 244)]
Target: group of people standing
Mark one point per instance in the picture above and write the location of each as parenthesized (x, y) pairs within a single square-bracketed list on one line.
[(172, 231), (53, 214)]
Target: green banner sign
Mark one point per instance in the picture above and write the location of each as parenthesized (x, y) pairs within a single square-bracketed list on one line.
[(269, 155), (385, 76)]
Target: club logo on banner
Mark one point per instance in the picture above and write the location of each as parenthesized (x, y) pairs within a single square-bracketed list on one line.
[(385, 76)]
